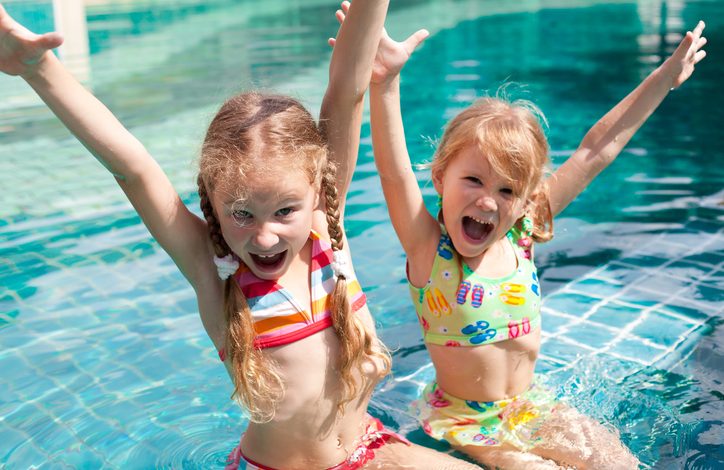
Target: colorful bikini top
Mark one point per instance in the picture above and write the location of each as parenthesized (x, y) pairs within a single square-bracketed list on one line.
[(458, 307), (278, 318)]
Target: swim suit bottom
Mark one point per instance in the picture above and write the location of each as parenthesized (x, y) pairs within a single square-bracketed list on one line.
[(375, 436), (460, 422)]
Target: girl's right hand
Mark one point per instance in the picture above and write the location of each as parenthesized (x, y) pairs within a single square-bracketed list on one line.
[(21, 51), (391, 55)]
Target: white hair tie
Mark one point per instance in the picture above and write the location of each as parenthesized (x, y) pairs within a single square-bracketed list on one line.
[(226, 266), (341, 265)]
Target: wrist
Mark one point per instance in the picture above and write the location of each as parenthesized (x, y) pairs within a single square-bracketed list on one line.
[(35, 71), (387, 84), (666, 74)]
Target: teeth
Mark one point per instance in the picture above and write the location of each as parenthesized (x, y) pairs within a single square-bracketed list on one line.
[(481, 221), (266, 256)]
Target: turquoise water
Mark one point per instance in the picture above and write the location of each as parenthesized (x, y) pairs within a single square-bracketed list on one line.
[(104, 361)]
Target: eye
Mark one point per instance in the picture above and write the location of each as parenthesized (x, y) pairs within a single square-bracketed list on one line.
[(474, 180), (285, 212), (242, 217), (507, 191)]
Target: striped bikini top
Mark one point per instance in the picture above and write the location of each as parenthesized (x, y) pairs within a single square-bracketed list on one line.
[(278, 318)]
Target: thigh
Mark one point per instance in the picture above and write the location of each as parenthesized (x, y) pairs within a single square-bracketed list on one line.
[(508, 458), (399, 455), (575, 440)]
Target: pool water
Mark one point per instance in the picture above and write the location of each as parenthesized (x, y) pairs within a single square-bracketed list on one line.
[(104, 360)]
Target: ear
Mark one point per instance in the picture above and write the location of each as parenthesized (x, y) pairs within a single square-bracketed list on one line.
[(437, 181), (318, 199), (523, 207)]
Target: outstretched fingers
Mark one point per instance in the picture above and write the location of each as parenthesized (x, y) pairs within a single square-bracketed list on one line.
[(340, 15), (697, 41), (414, 41), (695, 53), (689, 53), (699, 56), (699, 29)]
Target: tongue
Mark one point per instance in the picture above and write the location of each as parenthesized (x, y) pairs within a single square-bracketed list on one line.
[(475, 230)]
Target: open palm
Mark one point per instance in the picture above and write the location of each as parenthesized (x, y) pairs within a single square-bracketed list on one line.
[(689, 53), (21, 50), (391, 55)]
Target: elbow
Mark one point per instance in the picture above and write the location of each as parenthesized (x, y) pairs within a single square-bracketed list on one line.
[(347, 85)]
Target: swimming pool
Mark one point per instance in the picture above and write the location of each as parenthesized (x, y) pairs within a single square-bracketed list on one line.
[(104, 361)]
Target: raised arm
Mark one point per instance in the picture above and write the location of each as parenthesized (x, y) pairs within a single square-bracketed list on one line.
[(417, 230), (349, 76), (179, 232), (610, 134)]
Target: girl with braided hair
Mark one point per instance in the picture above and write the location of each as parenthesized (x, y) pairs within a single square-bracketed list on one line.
[(270, 265)]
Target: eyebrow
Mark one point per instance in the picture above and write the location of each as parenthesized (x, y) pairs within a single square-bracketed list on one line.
[(281, 199)]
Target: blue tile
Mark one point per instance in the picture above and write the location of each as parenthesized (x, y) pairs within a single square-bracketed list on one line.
[(11, 439), (623, 274), (645, 261), (25, 455), (597, 287), (637, 350), (664, 284), (616, 315), (82, 456), (661, 328), (572, 304), (591, 335), (562, 351), (552, 322)]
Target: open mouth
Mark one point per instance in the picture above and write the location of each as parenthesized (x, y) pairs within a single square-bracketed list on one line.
[(476, 230), (269, 262)]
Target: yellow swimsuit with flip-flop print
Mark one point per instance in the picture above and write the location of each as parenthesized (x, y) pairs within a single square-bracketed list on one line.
[(459, 308)]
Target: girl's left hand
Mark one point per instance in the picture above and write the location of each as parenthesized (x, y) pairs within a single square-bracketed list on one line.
[(681, 64)]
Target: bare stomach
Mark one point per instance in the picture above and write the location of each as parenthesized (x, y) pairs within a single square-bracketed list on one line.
[(307, 430), (490, 372)]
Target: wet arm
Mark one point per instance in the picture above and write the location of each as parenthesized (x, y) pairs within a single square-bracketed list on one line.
[(605, 140), (417, 230), (349, 77), (178, 231)]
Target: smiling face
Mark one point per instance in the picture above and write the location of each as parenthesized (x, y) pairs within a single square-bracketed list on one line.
[(270, 225), (479, 205), (491, 159)]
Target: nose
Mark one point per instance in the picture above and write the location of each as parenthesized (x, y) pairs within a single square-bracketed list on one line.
[(266, 237), (486, 203)]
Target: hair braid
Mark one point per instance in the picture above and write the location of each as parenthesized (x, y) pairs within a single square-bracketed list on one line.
[(356, 343), (220, 246)]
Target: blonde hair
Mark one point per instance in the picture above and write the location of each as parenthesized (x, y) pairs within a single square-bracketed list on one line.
[(509, 134), (252, 133)]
